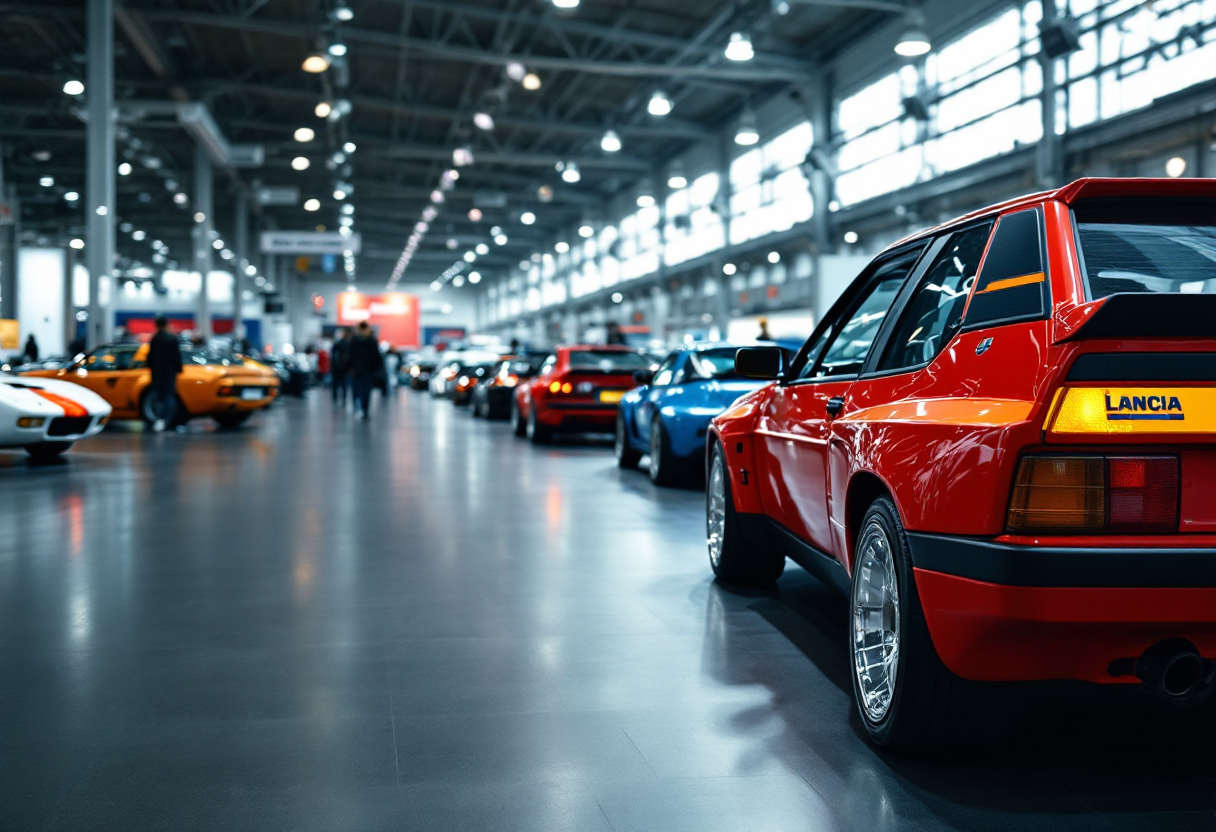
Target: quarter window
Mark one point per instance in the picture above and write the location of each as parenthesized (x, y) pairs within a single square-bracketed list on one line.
[(1013, 284), (663, 375), (935, 310)]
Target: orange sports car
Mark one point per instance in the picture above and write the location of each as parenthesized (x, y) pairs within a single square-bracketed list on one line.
[(211, 384)]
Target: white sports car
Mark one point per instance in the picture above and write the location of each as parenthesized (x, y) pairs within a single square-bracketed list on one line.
[(46, 416)]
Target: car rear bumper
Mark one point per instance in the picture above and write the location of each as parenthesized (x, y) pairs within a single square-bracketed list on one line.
[(577, 416), (1003, 612)]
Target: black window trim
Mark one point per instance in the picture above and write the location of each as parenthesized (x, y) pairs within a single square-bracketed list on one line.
[(1018, 319), (905, 297), (847, 302)]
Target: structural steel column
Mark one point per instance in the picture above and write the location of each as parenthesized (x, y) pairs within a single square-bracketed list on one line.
[(1048, 162), (100, 172), (204, 204), (241, 238)]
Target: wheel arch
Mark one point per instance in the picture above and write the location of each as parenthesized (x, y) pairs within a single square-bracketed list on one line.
[(864, 488)]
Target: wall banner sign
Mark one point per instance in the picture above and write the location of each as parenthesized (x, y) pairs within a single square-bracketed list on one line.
[(310, 242)]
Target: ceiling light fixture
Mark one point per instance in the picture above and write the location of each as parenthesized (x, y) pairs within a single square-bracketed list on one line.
[(342, 12), (475, 214), (561, 247), (462, 156), (305, 134), (660, 104), (46, 181), (300, 163), (315, 63), (774, 257), (913, 42), (516, 71), (729, 268), (585, 231), (531, 82), (337, 49), (484, 121), (74, 87), (850, 237), (474, 277), (747, 134), (570, 172), (312, 205), (1175, 167), (124, 169), (566, 4), (77, 243), (323, 109), (349, 147), (740, 47), (527, 218), (482, 249), (611, 143)]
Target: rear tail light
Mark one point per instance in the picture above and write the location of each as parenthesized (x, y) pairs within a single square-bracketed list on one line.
[(560, 387), (1142, 494), (1058, 493), (227, 390), (1078, 494)]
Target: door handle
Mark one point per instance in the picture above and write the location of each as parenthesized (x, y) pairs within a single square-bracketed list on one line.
[(111, 381), (835, 405)]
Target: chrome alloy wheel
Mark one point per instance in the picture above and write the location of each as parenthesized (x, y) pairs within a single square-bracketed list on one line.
[(715, 515), (875, 622)]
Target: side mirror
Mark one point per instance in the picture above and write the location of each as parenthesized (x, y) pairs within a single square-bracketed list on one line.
[(767, 363), (642, 377)]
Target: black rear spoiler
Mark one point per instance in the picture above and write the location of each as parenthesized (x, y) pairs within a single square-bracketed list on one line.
[(1151, 315)]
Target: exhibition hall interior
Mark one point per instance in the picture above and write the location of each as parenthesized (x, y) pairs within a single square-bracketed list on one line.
[(614, 415)]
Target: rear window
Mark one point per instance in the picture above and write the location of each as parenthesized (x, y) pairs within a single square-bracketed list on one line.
[(1147, 245), (608, 361), (717, 363)]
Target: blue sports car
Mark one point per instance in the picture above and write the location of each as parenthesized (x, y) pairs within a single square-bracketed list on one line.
[(668, 415)]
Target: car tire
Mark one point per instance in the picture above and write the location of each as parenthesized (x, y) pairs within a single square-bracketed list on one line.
[(538, 434), (665, 467), (148, 414), (626, 456), (47, 450), (733, 558), (518, 427), (228, 421), (924, 703)]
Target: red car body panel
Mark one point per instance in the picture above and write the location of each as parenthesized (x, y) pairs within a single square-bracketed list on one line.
[(944, 442), (573, 411)]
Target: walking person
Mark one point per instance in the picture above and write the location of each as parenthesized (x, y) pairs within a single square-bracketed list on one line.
[(165, 362), (31, 348), (365, 365), (337, 367)]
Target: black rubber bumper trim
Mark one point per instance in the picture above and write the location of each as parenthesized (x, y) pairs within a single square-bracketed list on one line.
[(1047, 566)]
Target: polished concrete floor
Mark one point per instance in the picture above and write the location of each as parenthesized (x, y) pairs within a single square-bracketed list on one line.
[(421, 623)]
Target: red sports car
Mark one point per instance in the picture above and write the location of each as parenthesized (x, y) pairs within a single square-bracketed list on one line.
[(577, 390), (1001, 443)]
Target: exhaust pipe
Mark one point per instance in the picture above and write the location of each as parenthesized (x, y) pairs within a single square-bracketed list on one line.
[(1174, 669)]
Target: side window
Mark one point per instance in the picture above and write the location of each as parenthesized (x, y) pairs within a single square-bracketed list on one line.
[(1013, 285), (935, 310), (848, 339), (666, 372), (547, 367), (102, 359)]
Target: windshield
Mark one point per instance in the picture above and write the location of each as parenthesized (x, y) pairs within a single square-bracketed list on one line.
[(608, 361), (719, 363), (197, 356), (1148, 246)]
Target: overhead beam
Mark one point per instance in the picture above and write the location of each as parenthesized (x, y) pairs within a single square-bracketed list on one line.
[(755, 72), (622, 163), (666, 128)]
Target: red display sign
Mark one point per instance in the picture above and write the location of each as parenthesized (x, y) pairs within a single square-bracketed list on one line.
[(394, 315)]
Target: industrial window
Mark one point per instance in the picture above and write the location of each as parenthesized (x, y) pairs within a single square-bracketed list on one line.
[(769, 192), (934, 312), (694, 227), (1013, 285)]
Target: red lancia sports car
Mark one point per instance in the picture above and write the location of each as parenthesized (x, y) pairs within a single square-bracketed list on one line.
[(577, 390), (1001, 443)]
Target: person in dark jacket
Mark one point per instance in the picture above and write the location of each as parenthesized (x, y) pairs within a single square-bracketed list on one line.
[(365, 365), (165, 362), (31, 348), (337, 367)]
